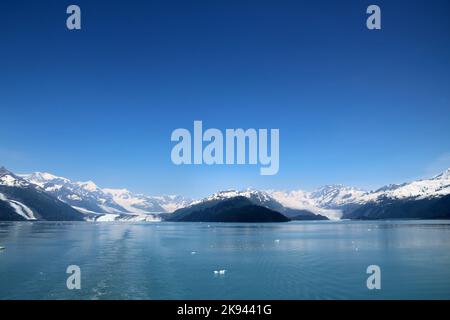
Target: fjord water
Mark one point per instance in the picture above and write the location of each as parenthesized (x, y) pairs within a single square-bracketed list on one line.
[(295, 260)]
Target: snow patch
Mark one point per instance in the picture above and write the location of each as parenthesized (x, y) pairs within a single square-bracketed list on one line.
[(19, 208)]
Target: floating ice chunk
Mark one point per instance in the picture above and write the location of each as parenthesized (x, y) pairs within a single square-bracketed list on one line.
[(277, 240), (194, 252), (220, 272)]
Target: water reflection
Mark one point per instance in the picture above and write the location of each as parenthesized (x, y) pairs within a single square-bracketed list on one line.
[(296, 260)]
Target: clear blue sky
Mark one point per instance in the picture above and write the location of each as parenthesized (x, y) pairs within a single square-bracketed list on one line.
[(353, 106)]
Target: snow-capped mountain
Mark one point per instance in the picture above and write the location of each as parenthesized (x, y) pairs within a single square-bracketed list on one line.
[(83, 196), (9, 205), (22, 200), (330, 200), (140, 203), (226, 208), (435, 187), (339, 198), (258, 196), (302, 200), (335, 196), (268, 200), (8, 179), (87, 197), (420, 199), (43, 196)]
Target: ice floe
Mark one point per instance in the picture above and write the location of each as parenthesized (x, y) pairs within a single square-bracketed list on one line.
[(220, 272)]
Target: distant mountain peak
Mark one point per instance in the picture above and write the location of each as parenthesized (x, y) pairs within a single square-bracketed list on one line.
[(391, 186), (88, 185), (9, 179), (232, 193), (445, 175), (117, 192), (4, 171), (48, 176), (42, 178)]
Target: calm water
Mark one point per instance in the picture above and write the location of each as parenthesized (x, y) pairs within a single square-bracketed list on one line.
[(296, 260)]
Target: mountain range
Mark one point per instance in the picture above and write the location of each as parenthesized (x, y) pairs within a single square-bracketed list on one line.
[(87, 197), (44, 196)]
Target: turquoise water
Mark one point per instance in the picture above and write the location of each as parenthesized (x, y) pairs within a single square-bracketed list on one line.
[(295, 260)]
